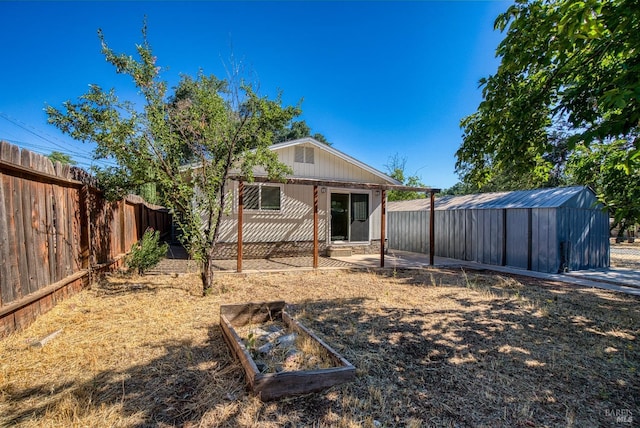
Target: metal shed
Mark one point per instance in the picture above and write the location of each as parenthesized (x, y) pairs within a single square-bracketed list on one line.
[(545, 230)]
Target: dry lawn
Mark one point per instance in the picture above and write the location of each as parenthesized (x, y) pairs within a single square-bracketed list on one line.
[(431, 348), (630, 260)]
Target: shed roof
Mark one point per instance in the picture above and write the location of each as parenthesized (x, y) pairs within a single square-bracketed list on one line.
[(575, 196)]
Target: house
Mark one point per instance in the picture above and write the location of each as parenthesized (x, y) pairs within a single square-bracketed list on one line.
[(545, 230), (278, 218)]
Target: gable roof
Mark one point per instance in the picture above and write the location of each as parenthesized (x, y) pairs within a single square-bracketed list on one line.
[(338, 153), (575, 196)]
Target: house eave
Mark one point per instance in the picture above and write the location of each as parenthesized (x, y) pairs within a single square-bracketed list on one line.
[(338, 184), (337, 153)]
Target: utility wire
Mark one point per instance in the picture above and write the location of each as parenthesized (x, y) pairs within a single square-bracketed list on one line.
[(26, 127), (44, 148), (83, 158)]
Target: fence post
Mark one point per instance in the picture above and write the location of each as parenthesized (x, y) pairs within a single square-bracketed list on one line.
[(85, 227), (315, 226), (240, 211), (432, 238), (123, 232), (383, 221)]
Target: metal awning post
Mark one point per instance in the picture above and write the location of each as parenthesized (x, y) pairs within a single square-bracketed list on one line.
[(240, 209), (341, 184), (315, 226), (383, 221), (432, 238)]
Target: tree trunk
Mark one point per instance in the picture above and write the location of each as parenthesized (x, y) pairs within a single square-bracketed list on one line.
[(207, 265), (206, 275), (207, 272), (622, 227)]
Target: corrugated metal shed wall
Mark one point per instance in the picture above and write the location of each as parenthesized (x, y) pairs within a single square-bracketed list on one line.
[(545, 238), (545, 249), (518, 238), (409, 231), (586, 237)]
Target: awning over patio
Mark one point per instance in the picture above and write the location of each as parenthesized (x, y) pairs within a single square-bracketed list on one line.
[(315, 183)]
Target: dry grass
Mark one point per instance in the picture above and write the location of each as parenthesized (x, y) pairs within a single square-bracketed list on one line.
[(630, 260), (431, 348), (627, 261)]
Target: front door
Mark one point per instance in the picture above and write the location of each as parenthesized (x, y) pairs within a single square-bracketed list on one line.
[(349, 217), (339, 217), (359, 217)]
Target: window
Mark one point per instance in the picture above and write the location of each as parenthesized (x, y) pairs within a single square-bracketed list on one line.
[(262, 197), (303, 154)]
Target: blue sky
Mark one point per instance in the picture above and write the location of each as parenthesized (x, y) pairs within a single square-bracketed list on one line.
[(376, 78)]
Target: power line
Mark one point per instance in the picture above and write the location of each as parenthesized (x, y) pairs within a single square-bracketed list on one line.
[(47, 148), (83, 158), (30, 129), (26, 127)]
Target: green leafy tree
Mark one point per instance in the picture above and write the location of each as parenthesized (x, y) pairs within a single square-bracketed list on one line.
[(297, 129), (396, 169), (544, 170), (460, 188), (221, 124), (602, 166), (561, 60), (63, 158)]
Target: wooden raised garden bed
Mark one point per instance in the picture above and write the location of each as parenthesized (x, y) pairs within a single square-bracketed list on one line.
[(239, 324)]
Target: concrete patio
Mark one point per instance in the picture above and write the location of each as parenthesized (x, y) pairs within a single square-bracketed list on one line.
[(616, 279)]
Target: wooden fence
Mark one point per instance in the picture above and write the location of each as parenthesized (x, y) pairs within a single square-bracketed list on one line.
[(56, 229)]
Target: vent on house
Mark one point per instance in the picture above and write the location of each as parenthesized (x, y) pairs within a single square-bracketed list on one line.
[(303, 154)]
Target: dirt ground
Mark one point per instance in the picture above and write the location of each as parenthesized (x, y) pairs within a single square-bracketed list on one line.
[(628, 258), (431, 348)]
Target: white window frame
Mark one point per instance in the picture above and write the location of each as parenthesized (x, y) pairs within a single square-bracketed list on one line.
[(348, 191), (260, 210)]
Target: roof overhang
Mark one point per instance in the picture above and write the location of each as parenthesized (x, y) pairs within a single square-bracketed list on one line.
[(338, 183)]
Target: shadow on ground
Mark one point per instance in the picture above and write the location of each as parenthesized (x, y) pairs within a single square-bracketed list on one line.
[(498, 357)]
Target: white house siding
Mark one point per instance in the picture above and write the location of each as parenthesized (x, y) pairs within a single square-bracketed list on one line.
[(295, 220), (290, 230), (327, 166)]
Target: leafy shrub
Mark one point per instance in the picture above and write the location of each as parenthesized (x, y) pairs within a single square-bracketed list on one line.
[(146, 253)]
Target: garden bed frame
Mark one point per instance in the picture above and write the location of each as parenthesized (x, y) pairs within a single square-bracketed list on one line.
[(271, 386)]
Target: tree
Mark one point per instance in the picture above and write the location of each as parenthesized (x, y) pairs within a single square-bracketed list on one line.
[(63, 158), (602, 166), (560, 60), (460, 188), (396, 169), (296, 130), (544, 170), (222, 124)]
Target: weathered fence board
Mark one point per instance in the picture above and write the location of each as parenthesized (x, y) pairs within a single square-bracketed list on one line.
[(4, 243), (27, 189), (21, 252), (74, 226), (54, 227), (9, 238)]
